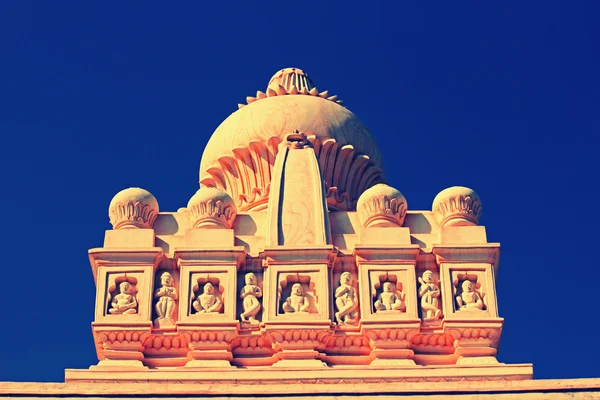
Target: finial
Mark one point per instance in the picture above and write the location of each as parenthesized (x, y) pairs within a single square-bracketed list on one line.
[(381, 206), (211, 208), (290, 81), (457, 206), (133, 208), (289, 77)]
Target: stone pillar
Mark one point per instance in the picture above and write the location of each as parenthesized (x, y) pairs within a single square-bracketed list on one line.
[(296, 301), (207, 310), (123, 320), (470, 307), (388, 301)]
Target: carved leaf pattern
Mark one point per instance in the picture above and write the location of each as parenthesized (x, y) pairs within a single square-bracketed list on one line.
[(463, 205), (298, 196), (247, 175), (215, 210), (132, 213)]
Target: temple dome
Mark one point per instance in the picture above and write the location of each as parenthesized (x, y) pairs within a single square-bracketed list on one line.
[(240, 154)]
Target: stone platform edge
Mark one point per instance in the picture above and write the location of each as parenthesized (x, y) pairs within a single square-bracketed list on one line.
[(574, 388)]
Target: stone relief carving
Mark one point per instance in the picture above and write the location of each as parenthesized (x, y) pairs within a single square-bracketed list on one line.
[(133, 208), (297, 225), (250, 295), (389, 300), (211, 208), (346, 300), (429, 293), (457, 206), (167, 301), (125, 302), (207, 302), (296, 302), (381, 206), (469, 299), (239, 157)]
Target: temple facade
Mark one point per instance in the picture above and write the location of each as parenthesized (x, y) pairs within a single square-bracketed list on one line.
[(295, 270)]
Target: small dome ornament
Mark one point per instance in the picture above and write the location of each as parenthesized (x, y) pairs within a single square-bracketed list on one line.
[(457, 206), (289, 78), (211, 208), (133, 208), (290, 81), (381, 206)]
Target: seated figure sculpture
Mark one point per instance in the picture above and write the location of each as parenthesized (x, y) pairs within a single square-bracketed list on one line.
[(346, 300), (124, 302), (429, 293), (207, 302), (167, 297), (388, 300), (469, 298), (297, 302), (250, 294)]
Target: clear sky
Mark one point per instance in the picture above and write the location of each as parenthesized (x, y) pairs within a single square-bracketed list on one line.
[(502, 97)]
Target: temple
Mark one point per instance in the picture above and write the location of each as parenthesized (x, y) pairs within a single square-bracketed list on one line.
[(295, 270)]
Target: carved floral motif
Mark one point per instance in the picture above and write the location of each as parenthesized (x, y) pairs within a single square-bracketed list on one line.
[(457, 206), (381, 206), (211, 208), (305, 338), (133, 208), (290, 81), (165, 343)]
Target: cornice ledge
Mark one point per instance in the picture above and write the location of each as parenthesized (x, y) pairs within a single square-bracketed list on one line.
[(120, 326), (229, 254), (488, 253), (395, 254), (299, 254), (490, 323), (105, 256)]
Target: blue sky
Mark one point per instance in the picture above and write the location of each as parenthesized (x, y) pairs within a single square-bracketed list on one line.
[(502, 97)]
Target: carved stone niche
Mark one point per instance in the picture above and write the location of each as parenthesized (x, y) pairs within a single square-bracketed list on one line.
[(469, 291), (207, 309), (123, 312), (470, 308), (389, 316), (389, 292), (297, 305), (124, 296)]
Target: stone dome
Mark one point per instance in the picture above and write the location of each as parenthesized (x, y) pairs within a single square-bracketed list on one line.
[(240, 154), (133, 208), (381, 206), (211, 208), (457, 206)]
